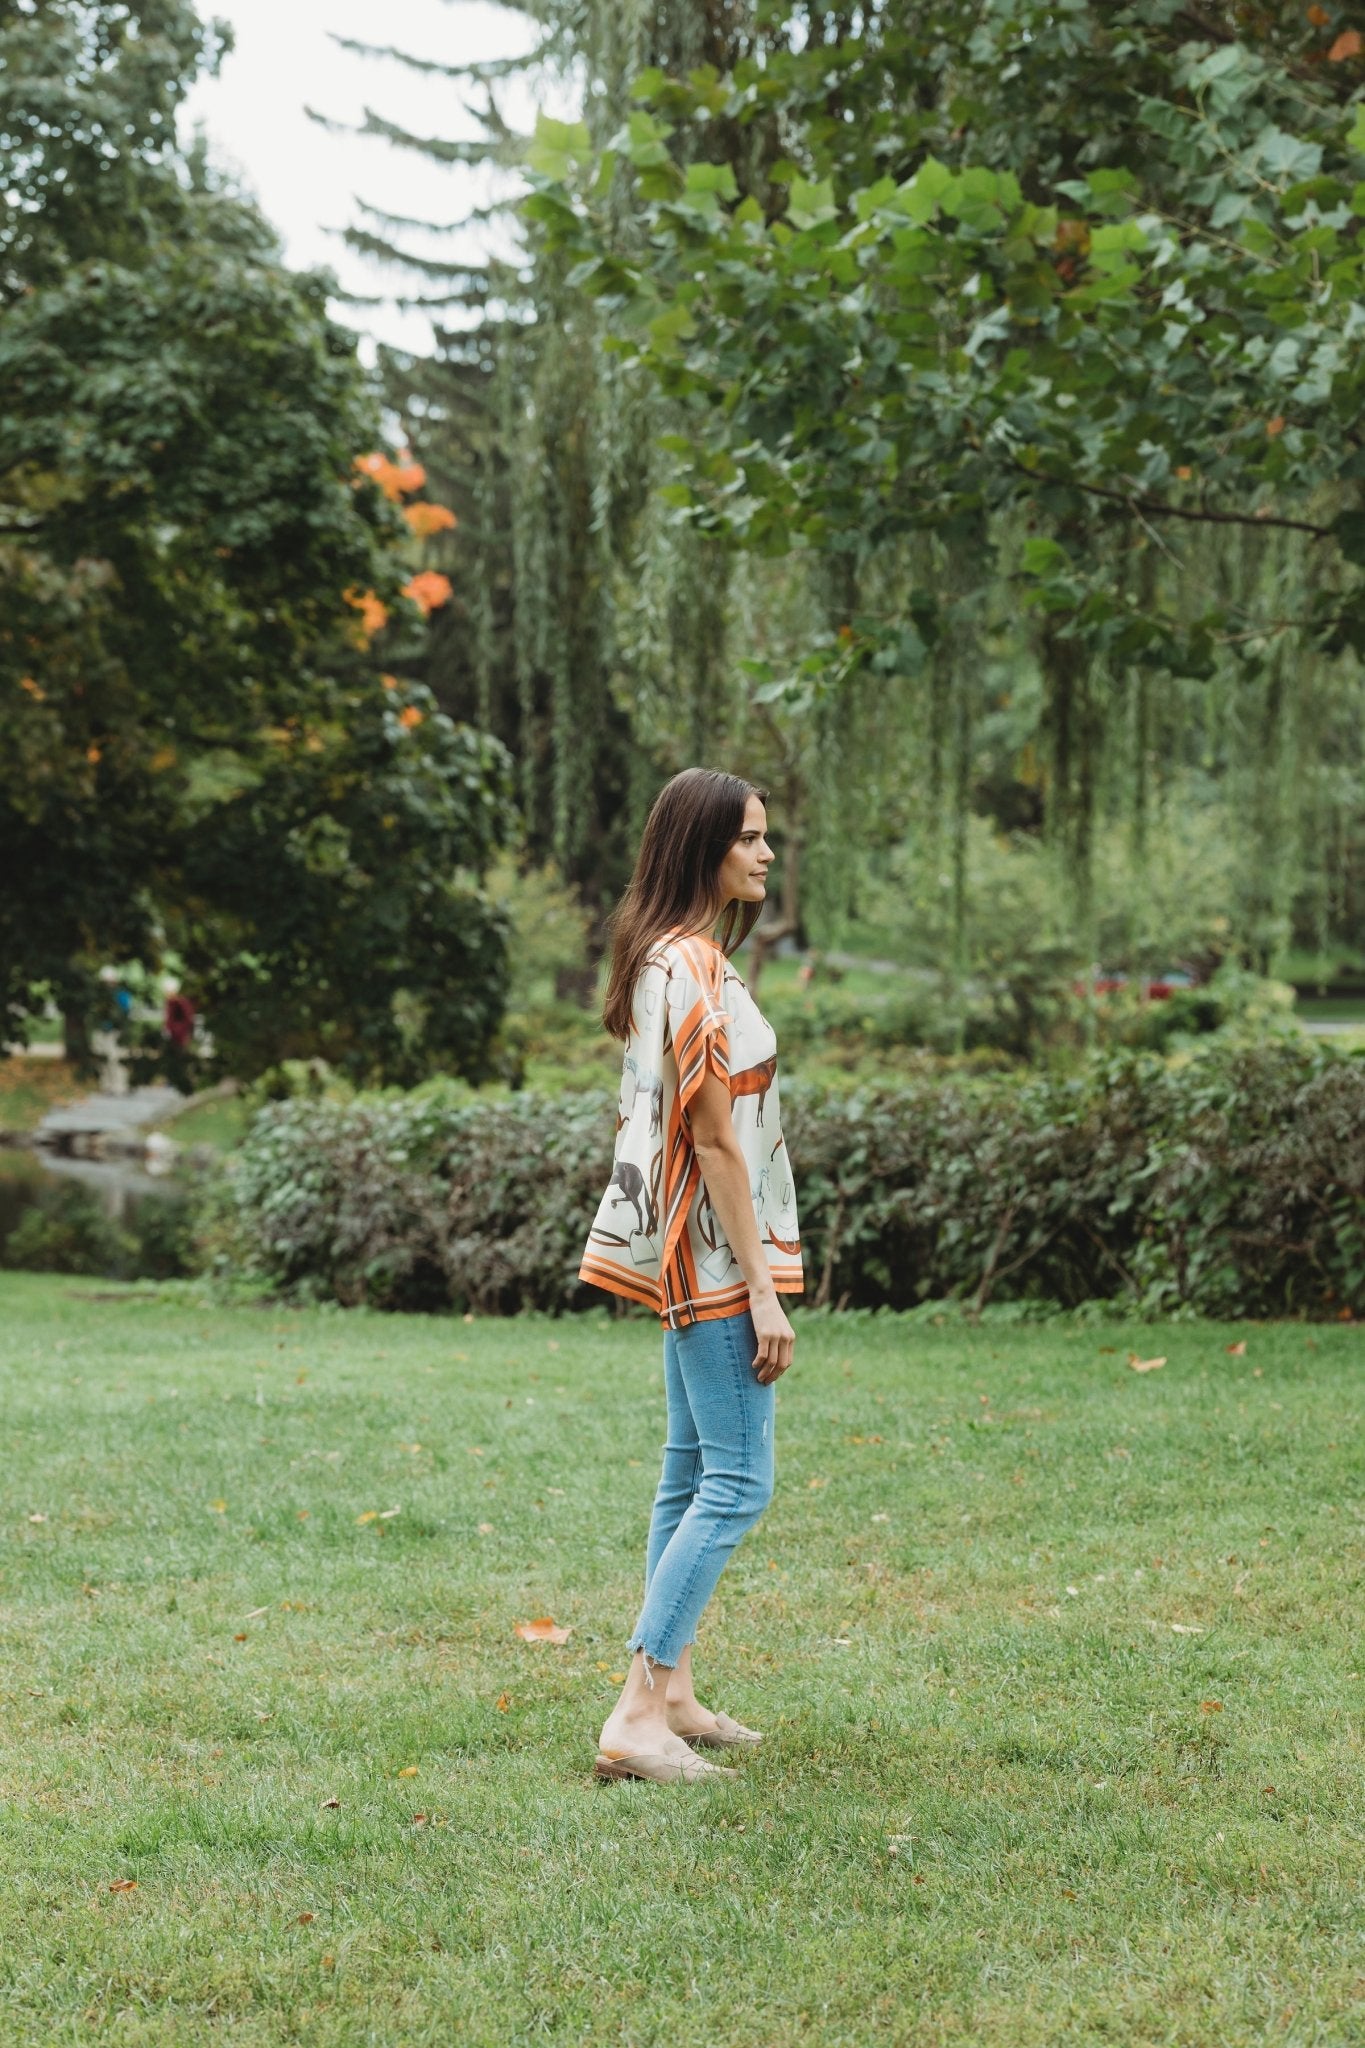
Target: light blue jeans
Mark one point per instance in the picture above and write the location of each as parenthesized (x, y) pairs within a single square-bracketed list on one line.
[(717, 1477)]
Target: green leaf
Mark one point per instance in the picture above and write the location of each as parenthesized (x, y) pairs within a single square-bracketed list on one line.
[(1042, 557), (810, 203), (1349, 529), (717, 178), (920, 196)]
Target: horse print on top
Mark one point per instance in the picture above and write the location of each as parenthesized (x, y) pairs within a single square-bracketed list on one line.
[(656, 1238)]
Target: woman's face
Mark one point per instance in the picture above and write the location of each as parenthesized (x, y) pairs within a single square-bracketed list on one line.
[(744, 871)]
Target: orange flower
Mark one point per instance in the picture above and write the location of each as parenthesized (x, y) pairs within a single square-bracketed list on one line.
[(93, 754), (428, 589), (410, 716), (373, 615), (1275, 427), (425, 519), (389, 682), (380, 470), (393, 478), (35, 690), (1347, 44)]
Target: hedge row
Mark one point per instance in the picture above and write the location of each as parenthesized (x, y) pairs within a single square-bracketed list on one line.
[(1227, 1182)]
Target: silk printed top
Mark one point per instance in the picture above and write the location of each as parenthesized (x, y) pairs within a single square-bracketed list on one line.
[(656, 1238)]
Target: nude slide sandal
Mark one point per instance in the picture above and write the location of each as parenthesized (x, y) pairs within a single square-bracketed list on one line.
[(729, 1734), (664, 1770)]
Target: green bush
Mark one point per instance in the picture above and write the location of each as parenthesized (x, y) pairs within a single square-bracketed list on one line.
[(1227, 1181), (67, 1229)]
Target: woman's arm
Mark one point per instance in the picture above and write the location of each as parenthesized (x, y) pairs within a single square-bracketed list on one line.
[(726, 1176)]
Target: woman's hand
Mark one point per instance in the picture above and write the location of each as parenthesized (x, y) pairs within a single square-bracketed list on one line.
[(776, 1337)]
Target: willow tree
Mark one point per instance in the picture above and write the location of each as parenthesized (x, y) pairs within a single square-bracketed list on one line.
[(596, 630), (1077, 288)]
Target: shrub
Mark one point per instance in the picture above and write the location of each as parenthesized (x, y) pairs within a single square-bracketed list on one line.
[(1227, 1181), (67, 1230)]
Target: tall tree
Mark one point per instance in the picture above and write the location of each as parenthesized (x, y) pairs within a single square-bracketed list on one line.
[(194, 568)]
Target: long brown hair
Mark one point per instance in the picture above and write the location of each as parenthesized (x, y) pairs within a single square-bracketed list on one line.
[(693, 822)]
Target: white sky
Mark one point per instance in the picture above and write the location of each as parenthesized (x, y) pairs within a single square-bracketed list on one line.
[(307, 179)]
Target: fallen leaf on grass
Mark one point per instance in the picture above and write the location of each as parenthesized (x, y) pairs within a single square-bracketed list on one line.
[(331, 1804), (387, 1514), (124, 1884), (1188, 1628), (617, 1677), (257, 1612), (1210, 1706), (241, 1637), (1236, 1350), (419, 1820), (1068, 1894), (1145, 1364), (329, 1962), (370, 1515), (881, 1518), (814, 1483), (485, 1528), (37, 1518), (217, 1507), (503, 1702), (543, 1630), (306, 1919), (408, 1771)]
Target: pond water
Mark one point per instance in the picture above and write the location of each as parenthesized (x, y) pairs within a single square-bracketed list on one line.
[(121, 1186)]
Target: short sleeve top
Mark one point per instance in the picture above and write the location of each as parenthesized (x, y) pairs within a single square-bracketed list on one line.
[(656, 1238)]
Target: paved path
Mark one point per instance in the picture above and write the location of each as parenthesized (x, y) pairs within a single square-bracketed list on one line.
[(114, 1120)]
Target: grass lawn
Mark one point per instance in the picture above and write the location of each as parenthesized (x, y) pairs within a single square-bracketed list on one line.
[(30, 1087), (1059, 1663)]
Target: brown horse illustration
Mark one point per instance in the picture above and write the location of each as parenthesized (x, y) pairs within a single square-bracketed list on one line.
[(755, 1081)]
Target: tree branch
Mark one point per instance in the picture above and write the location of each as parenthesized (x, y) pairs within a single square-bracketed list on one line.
[(1159, 509)]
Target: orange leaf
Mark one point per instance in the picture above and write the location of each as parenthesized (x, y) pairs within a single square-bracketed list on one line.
[(1347, 44), (330, 1805), (503, 1702), (425, 519), (1210, 1706), (35, 690), (1318, 16), (306, 1919), (1145, 1364), (408, 1771), (1237, 1350), (1274, 427), (124, 1884), (370, 1515), (410, 716), (543, 1630)]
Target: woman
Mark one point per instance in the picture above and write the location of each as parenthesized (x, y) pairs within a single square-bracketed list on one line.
[(698, 1222)]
